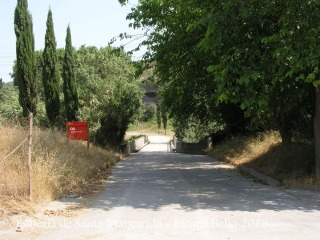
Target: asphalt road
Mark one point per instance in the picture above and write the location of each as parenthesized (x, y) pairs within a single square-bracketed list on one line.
[(155, 194)]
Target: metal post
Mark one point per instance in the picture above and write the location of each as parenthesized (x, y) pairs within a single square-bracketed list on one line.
[(30, 155)]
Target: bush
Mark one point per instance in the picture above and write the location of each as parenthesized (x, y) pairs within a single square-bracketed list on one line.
[(118, 113), (192, 131), (59, 166), (10, 110)]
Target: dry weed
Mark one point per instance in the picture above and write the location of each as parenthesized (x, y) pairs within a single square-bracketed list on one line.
[(58, 167), (241, 150), (266, 154)]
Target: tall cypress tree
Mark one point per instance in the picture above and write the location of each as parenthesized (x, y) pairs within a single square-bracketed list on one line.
[(26, 62), (51, 77), (164, 117), (69, 81), (158, 116)]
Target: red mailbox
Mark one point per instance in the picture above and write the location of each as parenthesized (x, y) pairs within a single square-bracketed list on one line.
[(78, 130)]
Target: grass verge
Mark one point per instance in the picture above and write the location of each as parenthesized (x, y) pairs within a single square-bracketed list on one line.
[(290, 164), (59, 168), (151, 128)]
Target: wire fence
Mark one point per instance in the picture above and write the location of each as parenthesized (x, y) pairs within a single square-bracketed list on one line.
[(15, 160)]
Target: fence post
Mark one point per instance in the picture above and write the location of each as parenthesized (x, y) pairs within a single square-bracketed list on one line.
[(30, 155)]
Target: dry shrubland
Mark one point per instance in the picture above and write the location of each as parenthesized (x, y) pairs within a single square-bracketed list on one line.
[(289, 163), (59, 167)]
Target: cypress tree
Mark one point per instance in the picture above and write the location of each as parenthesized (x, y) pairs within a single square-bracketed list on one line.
[(26, 62), (158, 116), (164, 117), (51, 77), (69, 81)]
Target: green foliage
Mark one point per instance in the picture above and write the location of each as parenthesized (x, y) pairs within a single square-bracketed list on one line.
[(234, 52), (131, 138), (26, 62), (247, 70), (158, 116), (51, 74), (101, 74), (69, 81), (117, 115), (1, 83), (123, 2), (261, 55), (109, 94), (164, 117), (148, 113), (193, 131), (10, 109)]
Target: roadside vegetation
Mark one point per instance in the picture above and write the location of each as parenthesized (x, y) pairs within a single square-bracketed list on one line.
[(289, 163), (225, 69), (59, 168), (98, 85), (150, 127), (236, 68), (150, 120)]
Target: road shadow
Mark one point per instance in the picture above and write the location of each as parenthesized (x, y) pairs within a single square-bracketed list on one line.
[(154, 180)]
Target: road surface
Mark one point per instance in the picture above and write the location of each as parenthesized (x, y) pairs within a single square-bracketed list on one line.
[(155, 194)]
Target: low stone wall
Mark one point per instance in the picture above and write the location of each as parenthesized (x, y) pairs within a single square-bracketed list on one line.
[(139, 143), (191, 148), (134, 146)]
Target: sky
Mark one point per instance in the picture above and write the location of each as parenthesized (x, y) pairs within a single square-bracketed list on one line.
[(92, 23)]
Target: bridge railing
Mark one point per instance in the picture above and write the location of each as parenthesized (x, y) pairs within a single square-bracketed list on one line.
[(191, 148)]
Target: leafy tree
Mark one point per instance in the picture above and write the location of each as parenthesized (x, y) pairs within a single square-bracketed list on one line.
[(246, 71), (192, 131), (69, 81), (10, 109), (187, 89), (259, 55), (51, 75), (26, 62), (118, 114), (98, 72), (148, 113), (262, 59), (297, 52), (109, 94)]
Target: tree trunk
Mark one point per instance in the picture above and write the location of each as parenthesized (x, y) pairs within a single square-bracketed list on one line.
[(316, 127), (285, 135)]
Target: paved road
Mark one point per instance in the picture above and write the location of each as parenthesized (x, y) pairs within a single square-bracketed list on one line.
[(159, 195)]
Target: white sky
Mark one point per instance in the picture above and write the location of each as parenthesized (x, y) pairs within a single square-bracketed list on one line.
[(92, 23)]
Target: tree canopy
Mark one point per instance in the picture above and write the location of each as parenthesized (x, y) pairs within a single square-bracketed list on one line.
[(261, 56), (51, 73), (109, 93), (69, 81), (26, 62)]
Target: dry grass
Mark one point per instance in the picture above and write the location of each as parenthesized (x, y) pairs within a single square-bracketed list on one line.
[(151, 128), (290, 164), (59, 167)]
